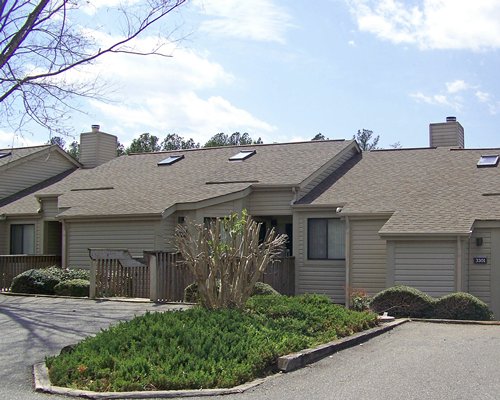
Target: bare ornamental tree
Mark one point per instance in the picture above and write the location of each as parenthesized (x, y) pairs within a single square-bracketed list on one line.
[(40, 41)]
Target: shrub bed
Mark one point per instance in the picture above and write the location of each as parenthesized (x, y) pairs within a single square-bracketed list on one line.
[(462, 306), (73, 287), (403, 301), (43, 281), (198, 348), (191, 291)]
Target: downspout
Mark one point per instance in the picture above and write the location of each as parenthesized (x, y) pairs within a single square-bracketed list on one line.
[(347, 261), (459, 264), (63, 245)]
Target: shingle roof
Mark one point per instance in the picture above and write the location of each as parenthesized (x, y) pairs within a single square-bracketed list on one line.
[(438, 190), (135, 184), (20, 152)]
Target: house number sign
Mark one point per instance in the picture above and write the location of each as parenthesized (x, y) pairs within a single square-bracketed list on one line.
[(480, 260)]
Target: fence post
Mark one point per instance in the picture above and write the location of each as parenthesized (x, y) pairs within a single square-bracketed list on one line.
[(153, 276), (93, 276)]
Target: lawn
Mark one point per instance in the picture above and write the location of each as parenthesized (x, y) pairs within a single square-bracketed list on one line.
[(198, 348)]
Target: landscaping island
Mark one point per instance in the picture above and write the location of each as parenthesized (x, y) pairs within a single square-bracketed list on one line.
[(200, 348)]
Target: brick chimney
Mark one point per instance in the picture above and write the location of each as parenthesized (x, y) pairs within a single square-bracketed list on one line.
[(446, 134), (97, 147)]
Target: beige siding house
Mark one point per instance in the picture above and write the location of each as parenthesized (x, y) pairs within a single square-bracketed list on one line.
[(428, 217)]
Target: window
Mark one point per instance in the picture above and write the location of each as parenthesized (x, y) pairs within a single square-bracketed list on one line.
[(325, 239), (242, 155), (488, 161), (170, 160), (22, 239)]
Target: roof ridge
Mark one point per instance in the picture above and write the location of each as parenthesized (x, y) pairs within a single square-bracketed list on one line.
[(243, 146), (27, 147)]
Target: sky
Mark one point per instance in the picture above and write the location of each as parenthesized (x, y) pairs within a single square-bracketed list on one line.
[(287, 70)]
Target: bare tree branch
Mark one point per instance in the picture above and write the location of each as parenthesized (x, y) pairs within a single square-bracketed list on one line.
[(40, 42)]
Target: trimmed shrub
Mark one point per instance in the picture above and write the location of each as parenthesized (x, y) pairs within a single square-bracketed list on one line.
[(191, 291), (37, 281), (463, 306), (43, 281), (261, 288), (403, 301), (73, 287)]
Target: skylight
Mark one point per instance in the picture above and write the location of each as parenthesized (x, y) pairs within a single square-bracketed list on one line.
[(242, 155), (2, 155), (170, 160), (488, 161)]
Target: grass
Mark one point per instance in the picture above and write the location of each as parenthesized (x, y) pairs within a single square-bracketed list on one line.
[(197, 348)]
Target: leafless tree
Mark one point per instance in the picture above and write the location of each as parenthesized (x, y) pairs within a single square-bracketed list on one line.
[(42, 40)]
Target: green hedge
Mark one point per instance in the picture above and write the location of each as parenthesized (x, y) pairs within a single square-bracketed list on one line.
[(461, 306), (43, 281), (198, 348), (73, 287), (403, 301)]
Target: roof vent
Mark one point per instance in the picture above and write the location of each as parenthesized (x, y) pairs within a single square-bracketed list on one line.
[(2, 155), (488, 161), (242, 155), (170, 160)]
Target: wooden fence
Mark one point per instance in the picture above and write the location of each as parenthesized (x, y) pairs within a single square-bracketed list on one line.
[(13, 265), (160, 277)]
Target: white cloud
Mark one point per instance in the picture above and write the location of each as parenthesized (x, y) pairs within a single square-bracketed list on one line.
[(483, 97), (351, 43), (259, 20), (11, 139), (162, 95), (432, 24), (437, 99), (457, 86)]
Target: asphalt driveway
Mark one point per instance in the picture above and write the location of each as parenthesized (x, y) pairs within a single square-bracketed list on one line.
[(414, 361)]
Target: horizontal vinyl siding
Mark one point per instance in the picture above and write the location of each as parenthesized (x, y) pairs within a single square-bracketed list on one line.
[(4, 248), (50, 209), (136, 236), (222, 209), (24, 175), (368, 256), (480, 274), (313, 276), (426, 265), (272, 202)]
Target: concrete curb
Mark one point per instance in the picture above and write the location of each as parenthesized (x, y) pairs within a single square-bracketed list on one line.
[(285, 364), (456, 321), (300, 359), (42, 384)]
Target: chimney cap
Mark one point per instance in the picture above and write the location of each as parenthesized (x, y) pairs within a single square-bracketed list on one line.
[(95, 128), (451, 119)]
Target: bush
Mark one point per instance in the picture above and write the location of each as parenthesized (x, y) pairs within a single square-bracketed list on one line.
[(73, 287), (37, 281), (43, 281), (359, 300), (191, 294), (463, 306), (403, 301), (261, 288), (199, 348)]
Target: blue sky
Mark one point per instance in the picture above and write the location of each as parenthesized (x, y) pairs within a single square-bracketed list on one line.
[(285, 71)]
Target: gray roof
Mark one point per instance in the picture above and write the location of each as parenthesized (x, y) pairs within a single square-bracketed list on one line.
[(20, 152), (135, 184), (426, 191)]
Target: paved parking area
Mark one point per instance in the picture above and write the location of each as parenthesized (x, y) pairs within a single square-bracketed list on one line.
[(414, 361)]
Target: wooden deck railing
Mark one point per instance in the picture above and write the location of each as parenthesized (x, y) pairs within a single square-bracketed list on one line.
[(161, 277), (13, 265)]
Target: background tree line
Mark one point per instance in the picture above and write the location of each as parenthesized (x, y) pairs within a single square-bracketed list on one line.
[(147, 143)]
